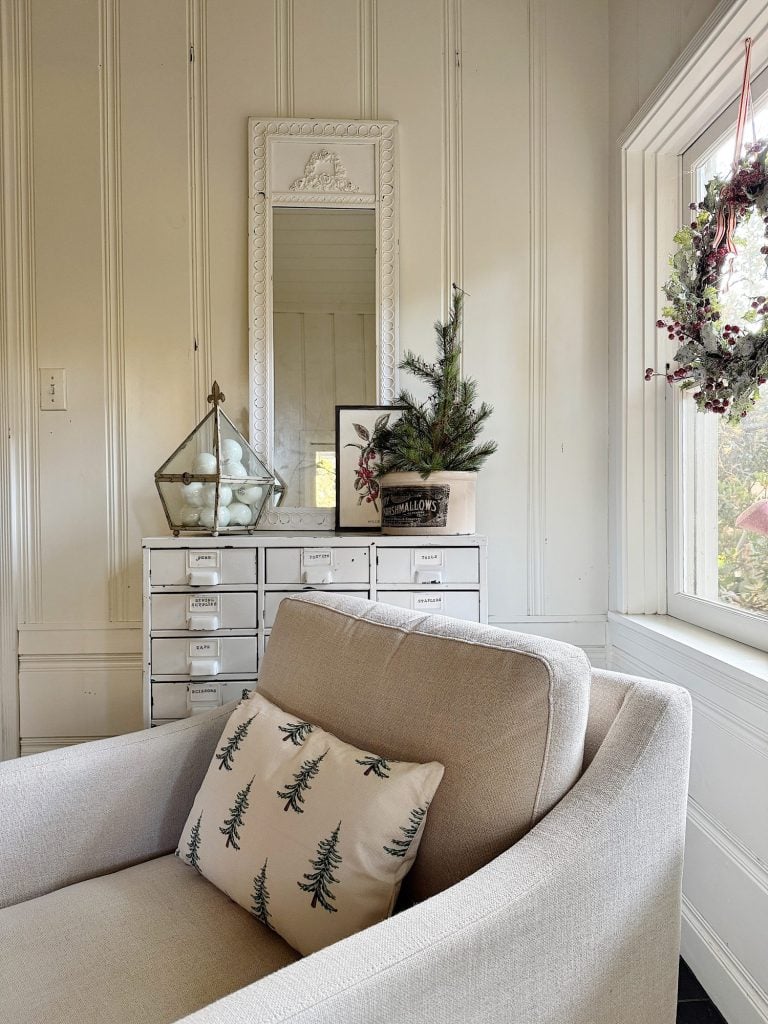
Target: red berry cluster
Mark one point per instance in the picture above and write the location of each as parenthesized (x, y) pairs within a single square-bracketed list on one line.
[(366, 474)]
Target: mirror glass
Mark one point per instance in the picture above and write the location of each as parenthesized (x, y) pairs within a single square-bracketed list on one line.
[(324, 340)]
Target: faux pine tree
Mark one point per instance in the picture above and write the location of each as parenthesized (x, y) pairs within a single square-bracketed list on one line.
[(235, 819), (319, 881), (439, 433), (260, 897), (301, 782), (400, 847), (227, 753), (296, 732), (378, 765), (193, 846)]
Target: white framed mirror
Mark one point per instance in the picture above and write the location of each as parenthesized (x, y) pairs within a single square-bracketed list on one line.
[(323, 296)]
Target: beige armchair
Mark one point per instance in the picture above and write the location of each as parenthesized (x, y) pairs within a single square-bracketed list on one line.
[(574, 922)]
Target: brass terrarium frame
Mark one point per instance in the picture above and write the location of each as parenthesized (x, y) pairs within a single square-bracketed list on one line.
[(266, 480)]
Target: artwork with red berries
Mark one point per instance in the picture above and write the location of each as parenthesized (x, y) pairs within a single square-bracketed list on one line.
[(723, 364), (358, 506)]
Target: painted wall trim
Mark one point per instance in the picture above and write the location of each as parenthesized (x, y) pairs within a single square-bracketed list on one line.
[(537, 351), (199, 235), (112, 287), (284, 76), (368, 67)]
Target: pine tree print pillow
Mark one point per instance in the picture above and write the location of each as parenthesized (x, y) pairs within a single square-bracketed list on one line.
[(311, 835)]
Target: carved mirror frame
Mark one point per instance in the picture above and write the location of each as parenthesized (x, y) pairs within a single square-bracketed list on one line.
[(325, 149)]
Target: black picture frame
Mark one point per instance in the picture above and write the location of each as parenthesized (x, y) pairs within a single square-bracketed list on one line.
[(354, 513)]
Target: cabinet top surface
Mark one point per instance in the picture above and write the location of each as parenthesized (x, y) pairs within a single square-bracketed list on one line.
[(281, 538)]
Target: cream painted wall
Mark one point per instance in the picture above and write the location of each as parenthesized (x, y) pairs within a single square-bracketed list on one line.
[(124, 241)]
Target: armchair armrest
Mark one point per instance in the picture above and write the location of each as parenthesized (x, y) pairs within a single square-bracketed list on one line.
[(578, 923), (87, 810)]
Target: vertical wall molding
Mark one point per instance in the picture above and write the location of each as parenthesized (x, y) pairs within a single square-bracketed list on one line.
[(453, 185), (368, 72), (21, 570), (112, 291), (284, 80), (200, 261), (537, 355)]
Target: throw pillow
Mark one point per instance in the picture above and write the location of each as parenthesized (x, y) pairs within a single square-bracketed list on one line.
[(311, 835)]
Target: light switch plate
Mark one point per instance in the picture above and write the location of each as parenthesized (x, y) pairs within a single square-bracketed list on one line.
[(53, 389)]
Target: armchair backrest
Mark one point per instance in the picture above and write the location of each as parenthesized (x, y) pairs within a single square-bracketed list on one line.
[(504, 712)]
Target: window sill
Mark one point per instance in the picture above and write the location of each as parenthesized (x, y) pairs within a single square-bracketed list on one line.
[(671, 649)]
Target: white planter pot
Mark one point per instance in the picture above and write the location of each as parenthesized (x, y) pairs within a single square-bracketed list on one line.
[(441, 505)]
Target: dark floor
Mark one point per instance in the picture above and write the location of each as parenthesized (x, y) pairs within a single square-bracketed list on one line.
[(693, 1004)]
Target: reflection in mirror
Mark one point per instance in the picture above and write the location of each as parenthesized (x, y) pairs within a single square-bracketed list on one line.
[(324, 339)]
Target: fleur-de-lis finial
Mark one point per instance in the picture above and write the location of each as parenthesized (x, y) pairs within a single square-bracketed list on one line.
[(216, 396)]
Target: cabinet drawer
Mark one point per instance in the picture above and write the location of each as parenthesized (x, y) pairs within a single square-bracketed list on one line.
[(201, 567), (317, 565), (204, 657), (171, 701), (204, 612), (460, 604), (427, 565), (273, 598)]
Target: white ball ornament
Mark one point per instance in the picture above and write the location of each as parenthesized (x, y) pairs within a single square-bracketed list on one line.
[(206, 518), (251, 494), (231, 468), (239, 514), (193, 494), (189, 515), (230, 450), (209, 495), (204, 463)]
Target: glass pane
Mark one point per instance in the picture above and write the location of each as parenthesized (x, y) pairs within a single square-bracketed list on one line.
[(726, 464)]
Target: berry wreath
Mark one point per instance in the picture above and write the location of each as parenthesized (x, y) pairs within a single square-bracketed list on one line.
[(724, 363)]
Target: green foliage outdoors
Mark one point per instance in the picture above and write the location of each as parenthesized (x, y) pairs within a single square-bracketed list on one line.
[(742, 478)]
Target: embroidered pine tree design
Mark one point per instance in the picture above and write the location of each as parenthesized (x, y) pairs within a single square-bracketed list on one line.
[(260, 897), (227, 753), (380, 766), (294, 790), (400, 847), (235, 820), (193, 846), (296, 732), (319, 881)]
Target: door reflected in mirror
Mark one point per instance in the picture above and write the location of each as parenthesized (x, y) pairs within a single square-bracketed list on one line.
[(324, 340)]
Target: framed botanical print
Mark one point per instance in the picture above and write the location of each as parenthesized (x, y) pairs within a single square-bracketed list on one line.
[(358, 506)]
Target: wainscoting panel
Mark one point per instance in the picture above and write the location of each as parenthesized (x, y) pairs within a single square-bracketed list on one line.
[(725, 882)]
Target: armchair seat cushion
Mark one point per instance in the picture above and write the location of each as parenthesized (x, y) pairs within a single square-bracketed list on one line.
[(148, 944)]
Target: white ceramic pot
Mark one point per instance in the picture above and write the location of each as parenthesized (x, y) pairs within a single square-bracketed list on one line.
[(441, 505)]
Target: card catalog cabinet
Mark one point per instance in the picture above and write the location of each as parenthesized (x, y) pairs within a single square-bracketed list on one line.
[(210, 602)]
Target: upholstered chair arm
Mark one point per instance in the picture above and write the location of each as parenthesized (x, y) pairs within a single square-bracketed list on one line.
[(86, 810), (578, 923)]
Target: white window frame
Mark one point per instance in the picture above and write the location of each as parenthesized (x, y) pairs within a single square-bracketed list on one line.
[(646, 440), (692, 461)]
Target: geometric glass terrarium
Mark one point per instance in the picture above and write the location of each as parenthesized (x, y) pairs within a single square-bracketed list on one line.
[(214, 482)]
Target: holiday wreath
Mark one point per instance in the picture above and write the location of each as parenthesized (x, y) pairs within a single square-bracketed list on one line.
[(725, 363)]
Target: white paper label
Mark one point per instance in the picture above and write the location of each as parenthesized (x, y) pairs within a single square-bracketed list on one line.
[(315, 556), (428, 558), (203, 559), (204, 691), (204, 649), (428, 602), (204, 603)]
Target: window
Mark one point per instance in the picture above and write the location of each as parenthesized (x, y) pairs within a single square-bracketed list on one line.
[(718, 572)]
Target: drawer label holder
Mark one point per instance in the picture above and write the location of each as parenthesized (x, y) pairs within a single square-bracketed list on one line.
[(428, 558), (428, 603), (210, 603), (312, 557), (209, 559), (204, 648)]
